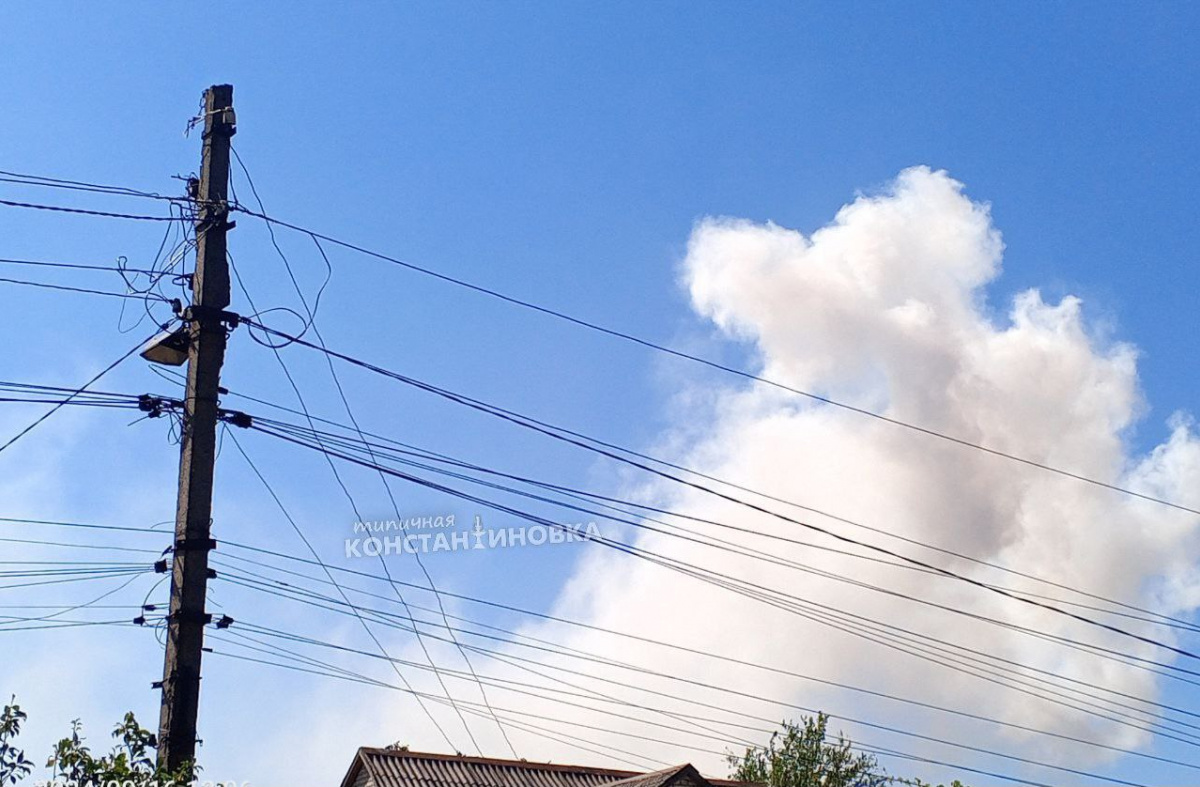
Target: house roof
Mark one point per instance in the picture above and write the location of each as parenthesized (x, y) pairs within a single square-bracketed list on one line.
[(680, 773), (400, 768)]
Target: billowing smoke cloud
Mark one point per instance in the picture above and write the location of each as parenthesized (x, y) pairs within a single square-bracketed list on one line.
[(886, 308)]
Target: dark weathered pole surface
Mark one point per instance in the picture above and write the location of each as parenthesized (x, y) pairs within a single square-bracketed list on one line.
[(193, 514)]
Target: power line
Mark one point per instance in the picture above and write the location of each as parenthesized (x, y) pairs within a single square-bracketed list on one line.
[(817, 612), (75, 393), (80, 185), (1139, 726), (85, 290), (83, 525), (544, 616), (573, 653), (526, 423), (337, 673), (623, 506), (592, 326), (738, 549), (300, 533), (434, 698), (332, 467), (62, 625), (848, 719), (81, 211), (1174, 622), (748, 589), (311, 323), (78, 266)]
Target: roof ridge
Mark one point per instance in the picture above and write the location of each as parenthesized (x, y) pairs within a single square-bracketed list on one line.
[(672, 770), (622, 773)]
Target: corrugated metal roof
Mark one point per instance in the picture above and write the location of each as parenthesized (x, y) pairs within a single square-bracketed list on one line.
[(660, 778), (391, 768), (399, 768)]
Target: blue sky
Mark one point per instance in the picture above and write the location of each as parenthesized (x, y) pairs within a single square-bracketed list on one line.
[(562, 153)]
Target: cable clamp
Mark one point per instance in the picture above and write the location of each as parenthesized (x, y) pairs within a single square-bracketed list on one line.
[(195, 544), (190, 616), (196, 312), (151, 405), (235, 418)]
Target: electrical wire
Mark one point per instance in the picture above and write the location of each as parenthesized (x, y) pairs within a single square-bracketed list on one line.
[(623, 507), (79, 185), (894, 637), (332, 467), (730, 546), (85, 290), (1145, 614), (848, 719), (82, 211), (520, 421), (300, 533), (75, 393), (628, 337), (311, 323), (577, 654), (78, 266), (751, 590)]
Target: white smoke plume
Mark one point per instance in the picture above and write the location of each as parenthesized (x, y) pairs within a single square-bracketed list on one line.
[(886, 308)]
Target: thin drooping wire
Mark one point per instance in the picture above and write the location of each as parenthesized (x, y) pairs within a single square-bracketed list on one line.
[(63, 625), (413, 628), (742, 587), (728, 546), (82, 525), (559, 649), (1175, 621), (80, 185), (548, 617), (1139, 726), (692, 700), (389, 449), (523, 688), (341, 484), (163, 267), (89, 603), (84, 212), (63, 576), (613, 332), (76, 392), (335, 672), (312, 323), (296, 527), (86, 290), (527, 424), (78, 266)]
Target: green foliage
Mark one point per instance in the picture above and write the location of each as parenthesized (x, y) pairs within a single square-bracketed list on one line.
[(130, 762), (803, 756), (13, 764)]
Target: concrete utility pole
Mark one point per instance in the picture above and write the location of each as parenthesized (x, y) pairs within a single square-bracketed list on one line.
[(193, 515)]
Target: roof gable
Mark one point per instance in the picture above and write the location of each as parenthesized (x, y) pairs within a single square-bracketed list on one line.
[(678, 776), (403, 768)]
